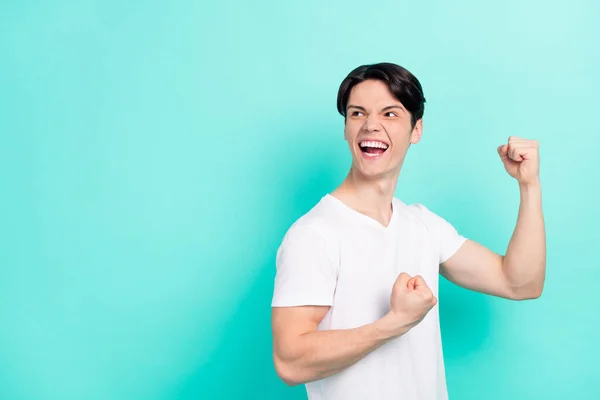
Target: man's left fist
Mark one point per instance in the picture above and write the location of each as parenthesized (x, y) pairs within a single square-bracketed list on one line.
[(521, 159)]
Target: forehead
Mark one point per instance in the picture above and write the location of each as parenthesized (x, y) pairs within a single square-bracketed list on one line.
[(372, 92)]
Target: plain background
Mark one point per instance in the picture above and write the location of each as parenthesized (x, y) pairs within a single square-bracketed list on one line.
[(153, 154)]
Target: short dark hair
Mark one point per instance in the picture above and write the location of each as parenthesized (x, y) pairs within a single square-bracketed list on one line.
[(403, 85)]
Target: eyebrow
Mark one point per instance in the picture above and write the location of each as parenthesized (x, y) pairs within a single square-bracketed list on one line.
[(390, 107), (383, 109)]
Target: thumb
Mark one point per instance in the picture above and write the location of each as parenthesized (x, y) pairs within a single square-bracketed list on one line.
[(503, 151), (420, 283), (403, 279)]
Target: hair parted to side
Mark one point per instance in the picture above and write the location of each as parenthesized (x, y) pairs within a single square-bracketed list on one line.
[(403, 85)]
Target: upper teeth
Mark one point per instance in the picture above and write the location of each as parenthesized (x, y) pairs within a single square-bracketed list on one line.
[(374, 144)]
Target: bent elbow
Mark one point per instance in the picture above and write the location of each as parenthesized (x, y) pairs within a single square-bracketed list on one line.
[(529, 294), (537, 293), (286, 373), (289, 379)]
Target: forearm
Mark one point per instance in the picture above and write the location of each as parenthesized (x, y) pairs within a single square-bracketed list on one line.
[(525, 261), (317, 355)]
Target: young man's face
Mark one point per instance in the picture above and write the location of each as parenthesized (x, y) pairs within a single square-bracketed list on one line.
[(378, 130)]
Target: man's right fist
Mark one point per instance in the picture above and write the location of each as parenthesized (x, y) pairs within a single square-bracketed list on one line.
[(411, 300)]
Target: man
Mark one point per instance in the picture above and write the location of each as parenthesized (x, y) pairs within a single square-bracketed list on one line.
[(355, 311)]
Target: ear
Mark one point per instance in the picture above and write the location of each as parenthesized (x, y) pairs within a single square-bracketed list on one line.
[(417, 131)]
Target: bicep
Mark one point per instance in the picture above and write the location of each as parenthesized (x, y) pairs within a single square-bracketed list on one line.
[(477, 268), (289, 323)]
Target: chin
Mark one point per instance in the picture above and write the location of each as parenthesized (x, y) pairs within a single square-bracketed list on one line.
[(375, 171), (372, 173)]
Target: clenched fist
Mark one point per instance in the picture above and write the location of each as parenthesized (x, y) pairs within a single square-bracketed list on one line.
[(410, 301), (521, 159)]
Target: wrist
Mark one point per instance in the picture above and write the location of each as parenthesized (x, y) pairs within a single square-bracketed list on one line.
[(531, 194), (390, 326), (533, 186)]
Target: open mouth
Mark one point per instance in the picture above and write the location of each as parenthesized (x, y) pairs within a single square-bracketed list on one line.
[(372, 148)]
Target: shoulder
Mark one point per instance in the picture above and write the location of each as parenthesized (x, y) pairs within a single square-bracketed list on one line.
[(418, 212), (317, 226), (445, 236), (322, 221), (431, 220), (309, 244)]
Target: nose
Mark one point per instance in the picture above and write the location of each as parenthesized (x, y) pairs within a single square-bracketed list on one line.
[(372, 123)]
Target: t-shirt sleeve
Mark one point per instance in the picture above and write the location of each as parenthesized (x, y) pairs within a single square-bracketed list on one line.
[(448, 239), (306, 269)]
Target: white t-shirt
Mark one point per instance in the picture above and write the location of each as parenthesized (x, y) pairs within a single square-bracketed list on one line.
[(335, 256)]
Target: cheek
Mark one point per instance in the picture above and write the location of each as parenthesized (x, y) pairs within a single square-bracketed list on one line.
[(400, 136), (398, 132), (350, 132), (400, 149)]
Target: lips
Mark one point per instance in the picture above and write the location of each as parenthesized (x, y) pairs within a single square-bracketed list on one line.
[(372, 148)]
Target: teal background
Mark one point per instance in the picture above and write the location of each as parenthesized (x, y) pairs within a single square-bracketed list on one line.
[(153, 154)]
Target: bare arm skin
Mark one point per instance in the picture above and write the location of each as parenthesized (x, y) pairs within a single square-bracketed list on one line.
[(520, 274), (302, 353)]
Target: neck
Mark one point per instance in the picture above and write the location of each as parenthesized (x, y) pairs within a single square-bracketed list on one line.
[(372, 197)]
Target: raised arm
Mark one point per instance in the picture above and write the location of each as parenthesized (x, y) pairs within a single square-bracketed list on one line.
[(520, 274)]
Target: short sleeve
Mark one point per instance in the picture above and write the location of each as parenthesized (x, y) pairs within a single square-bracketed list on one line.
[(448, 239), (306, 269)]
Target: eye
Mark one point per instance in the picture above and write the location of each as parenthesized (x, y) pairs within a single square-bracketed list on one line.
[(357, 114), (390, 114)]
